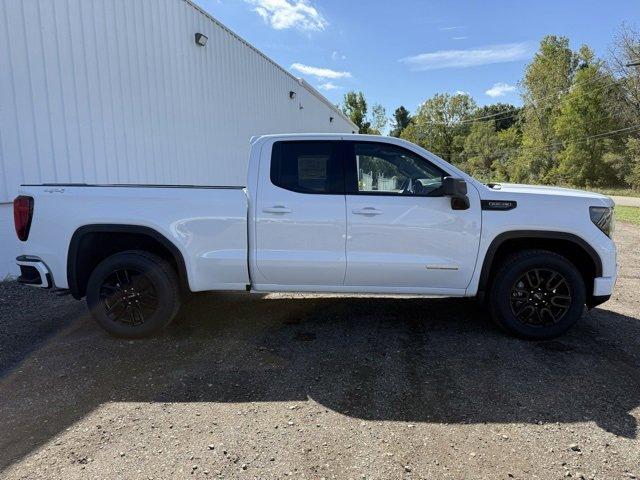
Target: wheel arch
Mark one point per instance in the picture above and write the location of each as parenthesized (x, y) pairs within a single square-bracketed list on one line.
[(82, 257), (571, 246)]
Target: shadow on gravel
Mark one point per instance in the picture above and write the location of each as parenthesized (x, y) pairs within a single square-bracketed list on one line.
[(415, 360)]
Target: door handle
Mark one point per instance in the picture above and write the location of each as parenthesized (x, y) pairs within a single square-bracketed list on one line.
[(277, 209), (367, 211)]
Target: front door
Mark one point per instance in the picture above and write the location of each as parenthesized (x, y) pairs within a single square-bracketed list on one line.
[(300, 215), (401, 232)]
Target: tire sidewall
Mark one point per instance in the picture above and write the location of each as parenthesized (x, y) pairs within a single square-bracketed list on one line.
[(152, 268), (501, 295)]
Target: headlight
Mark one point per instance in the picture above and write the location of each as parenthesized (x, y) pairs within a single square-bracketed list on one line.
[(602, 217)]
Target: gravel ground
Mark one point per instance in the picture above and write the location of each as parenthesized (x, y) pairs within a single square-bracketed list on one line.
[(307, 386)]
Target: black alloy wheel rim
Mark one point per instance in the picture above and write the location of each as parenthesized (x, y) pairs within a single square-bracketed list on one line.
[(541, 297), (128, 297)]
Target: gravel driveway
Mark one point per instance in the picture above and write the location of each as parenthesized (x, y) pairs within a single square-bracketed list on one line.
[(305, 386)]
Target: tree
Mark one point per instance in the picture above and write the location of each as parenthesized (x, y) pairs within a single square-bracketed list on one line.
[(481, 149), (378, 120), (438, 124), (355, 107), (503, 115), (401, 119), (582, 119), (626, 164), (626, 50), (633, 155), (547, 78)]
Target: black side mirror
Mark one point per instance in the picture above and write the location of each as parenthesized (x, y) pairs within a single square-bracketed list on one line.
[(456, 188)]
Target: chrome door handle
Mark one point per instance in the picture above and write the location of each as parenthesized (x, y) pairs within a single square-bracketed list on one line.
[(367, 211), (277, 209)]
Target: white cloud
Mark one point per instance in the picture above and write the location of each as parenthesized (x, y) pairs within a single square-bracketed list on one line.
[(459, 38), (319, 73), (509, 52), (283, 14), (329, 86), (444, 29), (500, 89), (462, 92)]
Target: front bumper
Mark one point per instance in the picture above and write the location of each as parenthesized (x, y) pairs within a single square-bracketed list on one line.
[(34, 272), (602, 290), (603, 286)]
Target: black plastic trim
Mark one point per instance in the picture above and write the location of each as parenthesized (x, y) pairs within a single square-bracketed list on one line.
[(74, 245), (503, 237), (498, 205), (595, 300), (29, 275)]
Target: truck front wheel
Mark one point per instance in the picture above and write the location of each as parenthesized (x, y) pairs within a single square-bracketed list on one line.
[(133, 294), (537, 294)]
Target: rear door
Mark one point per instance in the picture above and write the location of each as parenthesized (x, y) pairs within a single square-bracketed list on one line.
[(300, 215), (402, 233)]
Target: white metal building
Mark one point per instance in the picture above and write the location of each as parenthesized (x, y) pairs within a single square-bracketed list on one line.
[(119, 91)]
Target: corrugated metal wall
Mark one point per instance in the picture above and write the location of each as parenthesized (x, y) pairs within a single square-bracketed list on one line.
[(116, 91)]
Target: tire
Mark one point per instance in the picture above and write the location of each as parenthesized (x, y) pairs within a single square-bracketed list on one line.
[(133, 294), (537, 294)]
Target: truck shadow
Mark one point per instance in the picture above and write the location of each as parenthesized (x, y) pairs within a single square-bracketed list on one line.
[(414, 360)]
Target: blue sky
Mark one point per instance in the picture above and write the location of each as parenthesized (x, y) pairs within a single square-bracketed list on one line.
[(403, 52)]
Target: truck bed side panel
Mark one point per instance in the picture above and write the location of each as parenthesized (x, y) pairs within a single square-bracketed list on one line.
[(207, 225)]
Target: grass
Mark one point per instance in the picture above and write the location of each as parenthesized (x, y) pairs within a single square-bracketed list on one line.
[(620, 192), (627, 214)]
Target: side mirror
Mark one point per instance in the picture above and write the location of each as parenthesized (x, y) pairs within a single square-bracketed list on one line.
[(456, 188)]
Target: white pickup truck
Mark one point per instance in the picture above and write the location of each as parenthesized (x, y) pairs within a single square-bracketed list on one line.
[(323, 213)]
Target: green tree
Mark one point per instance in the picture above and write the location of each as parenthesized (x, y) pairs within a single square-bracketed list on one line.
[(378, 120), (546, 79), (509, 143), (583, 117), (401, 119), (503, 115), (440, 124), (626, 164), (633, 155), (481, 149), (355, 107)]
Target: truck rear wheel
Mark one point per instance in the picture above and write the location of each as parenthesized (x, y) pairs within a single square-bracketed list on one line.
[(537, 294), (133, 294)]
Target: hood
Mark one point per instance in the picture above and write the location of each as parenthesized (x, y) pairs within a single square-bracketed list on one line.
[(544, 190)]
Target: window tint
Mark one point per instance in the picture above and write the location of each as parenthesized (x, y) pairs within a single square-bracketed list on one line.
[(387, 169), (307, 167)]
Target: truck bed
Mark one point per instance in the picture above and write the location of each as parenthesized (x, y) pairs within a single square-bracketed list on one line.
[(208, 225)]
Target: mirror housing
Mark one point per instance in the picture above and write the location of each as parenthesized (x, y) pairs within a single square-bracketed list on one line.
[(456, 188)]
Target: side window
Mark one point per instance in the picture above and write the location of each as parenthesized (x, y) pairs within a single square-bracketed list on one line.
[(387, 169), (308, 167)]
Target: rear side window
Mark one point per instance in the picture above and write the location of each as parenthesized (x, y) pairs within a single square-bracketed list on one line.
[(308, 167)]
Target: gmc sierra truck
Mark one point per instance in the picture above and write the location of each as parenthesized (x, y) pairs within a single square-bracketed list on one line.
[(323, 213)]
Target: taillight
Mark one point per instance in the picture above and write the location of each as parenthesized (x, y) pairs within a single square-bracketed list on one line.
[(22, 214)]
